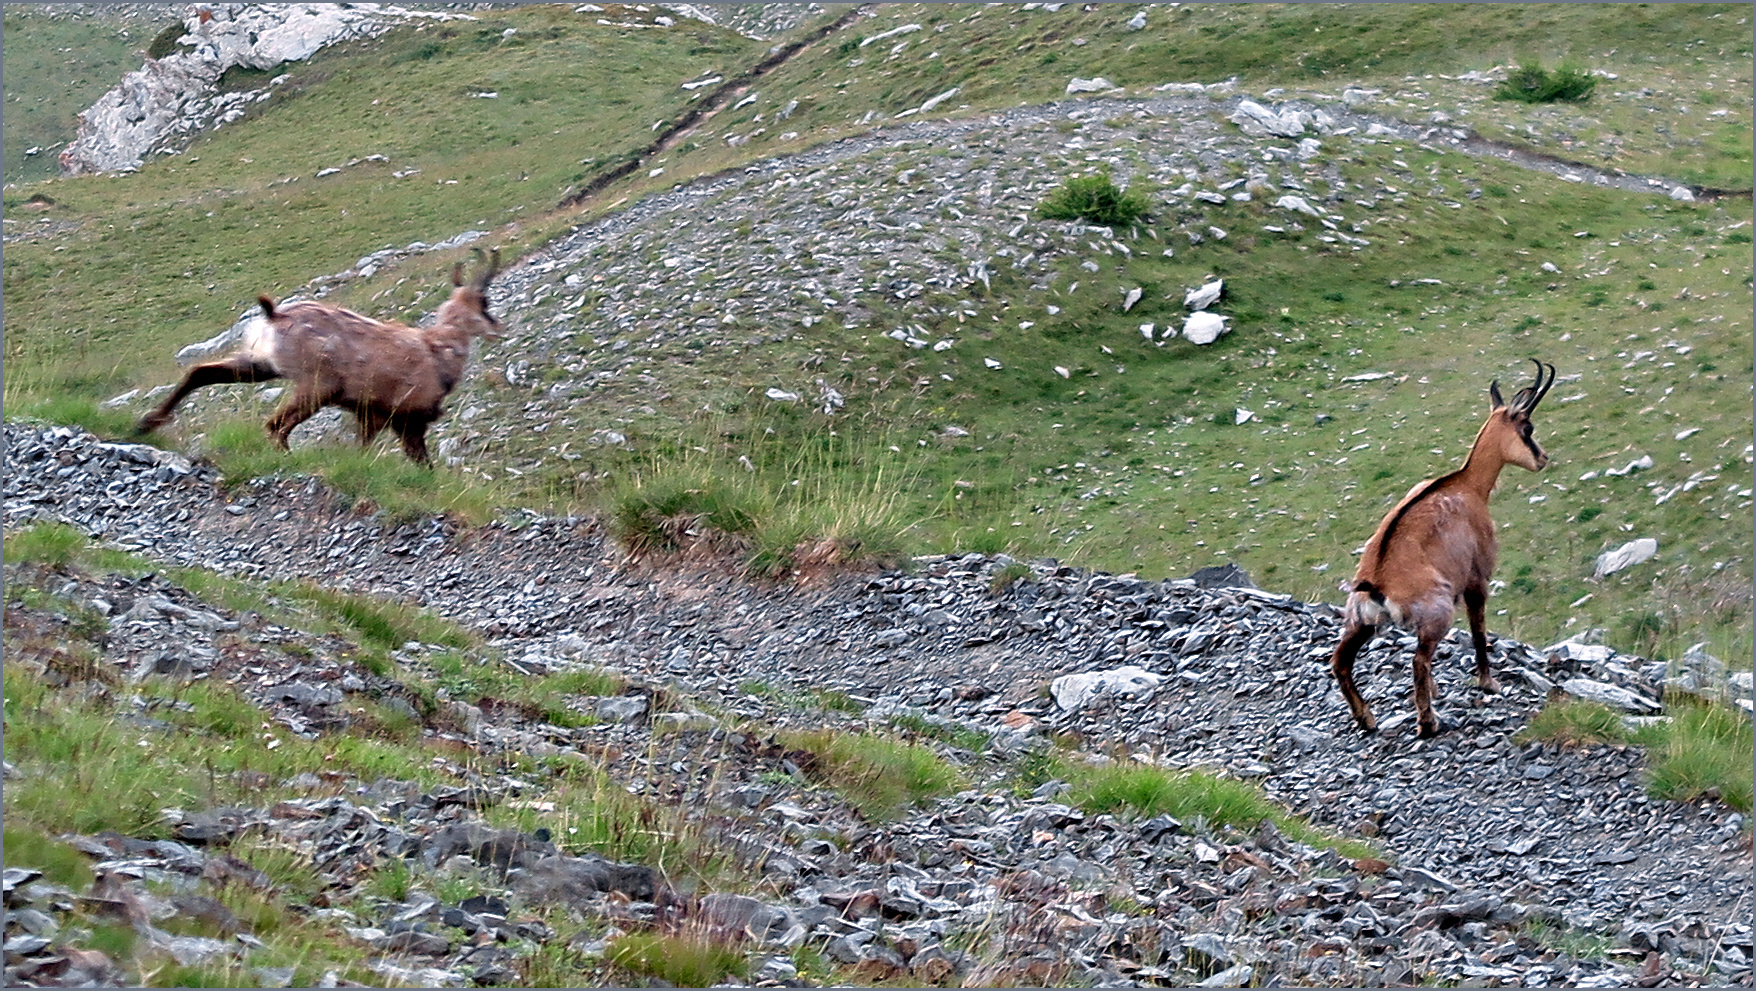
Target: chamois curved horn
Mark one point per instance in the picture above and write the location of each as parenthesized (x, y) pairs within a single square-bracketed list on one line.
[(1527, 398)]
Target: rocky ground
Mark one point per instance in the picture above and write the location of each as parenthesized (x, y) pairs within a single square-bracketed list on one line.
[(1489, 847)]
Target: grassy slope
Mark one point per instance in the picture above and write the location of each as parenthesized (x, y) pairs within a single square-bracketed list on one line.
[(173, 253), (1104, 488), (56, 67)]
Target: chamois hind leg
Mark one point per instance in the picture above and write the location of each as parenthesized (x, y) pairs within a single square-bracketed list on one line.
[(301, 407), (412, 428), (238, 368), (1476, 604), (1429, 723), (371, 420), (1353, 637)]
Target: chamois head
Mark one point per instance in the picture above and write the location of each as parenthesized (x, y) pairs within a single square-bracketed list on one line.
[(467, 308), (1509, 429)]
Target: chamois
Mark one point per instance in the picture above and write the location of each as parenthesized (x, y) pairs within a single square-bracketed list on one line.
[(386, 374), (1435, 548)]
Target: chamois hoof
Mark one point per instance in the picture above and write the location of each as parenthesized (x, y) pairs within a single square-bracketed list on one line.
[(1489, 686), (1429, 730), (1368, 726)]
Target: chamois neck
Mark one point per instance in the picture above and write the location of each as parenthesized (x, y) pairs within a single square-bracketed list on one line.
[(1481, 470)]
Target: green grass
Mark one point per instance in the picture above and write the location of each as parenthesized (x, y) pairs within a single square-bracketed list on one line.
[(376, 478), (1186, 795), (877, 775), (1702, 752), (683, 961), (53, 544), (1572, 722), (60, 863)]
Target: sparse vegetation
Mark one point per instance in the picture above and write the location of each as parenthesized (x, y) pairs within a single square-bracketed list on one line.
[(1187, 795), (685, 962)]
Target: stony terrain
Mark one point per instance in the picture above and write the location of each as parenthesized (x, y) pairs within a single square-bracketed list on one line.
[(1485, 841)]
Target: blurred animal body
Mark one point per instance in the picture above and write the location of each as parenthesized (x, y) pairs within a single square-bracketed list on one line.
[(386, 374)]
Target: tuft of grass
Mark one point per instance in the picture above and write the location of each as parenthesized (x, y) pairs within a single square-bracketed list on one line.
[(961, 737), (1095, 199), (878, 775), (60, 863), (683, 961), (1572, 722), (1150, 791), (377, 477), (53, 544), (1008, 575), (1531, 83), (1705, 752)]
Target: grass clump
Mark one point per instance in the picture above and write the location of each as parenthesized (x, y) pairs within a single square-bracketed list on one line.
[(60, 863), (683, 961), (54, 544), (1531, 83), (1095, 199), (1704, 753), (879, 776), (1571, 722), (1150, 791), (379, 477)]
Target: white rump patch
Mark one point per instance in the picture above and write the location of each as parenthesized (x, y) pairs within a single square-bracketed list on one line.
[(260, 341)]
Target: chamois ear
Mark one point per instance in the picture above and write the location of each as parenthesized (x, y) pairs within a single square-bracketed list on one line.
[(487, 274), (1495, 402), (457, 274)]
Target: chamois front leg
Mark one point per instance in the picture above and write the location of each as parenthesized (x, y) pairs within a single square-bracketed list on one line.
[(1476, 604), (238, 368), (1341, 664), (369, 421)]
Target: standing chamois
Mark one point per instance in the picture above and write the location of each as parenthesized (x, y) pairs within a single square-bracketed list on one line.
[(1435, 548), (386, 374)]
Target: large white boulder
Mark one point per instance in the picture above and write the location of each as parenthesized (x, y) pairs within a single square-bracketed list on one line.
[(1202, 327), (1073, 691)]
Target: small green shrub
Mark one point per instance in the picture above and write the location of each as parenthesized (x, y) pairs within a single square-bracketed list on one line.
[(879, 776), (1095, 199), (1531, 83)]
